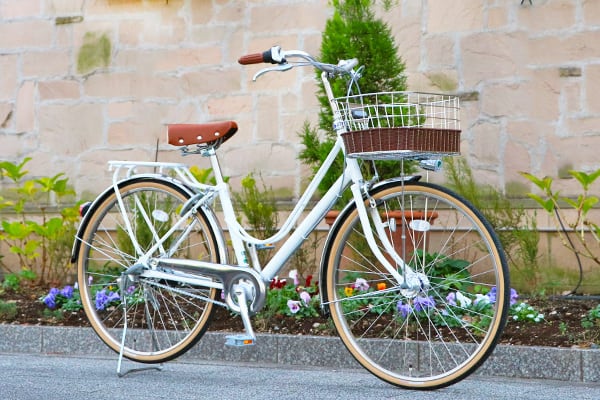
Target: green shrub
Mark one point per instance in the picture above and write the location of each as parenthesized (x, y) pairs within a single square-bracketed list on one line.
[(555, 204), (43, 244)]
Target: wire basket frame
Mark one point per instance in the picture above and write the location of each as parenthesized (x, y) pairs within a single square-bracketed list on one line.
[(400, 125)]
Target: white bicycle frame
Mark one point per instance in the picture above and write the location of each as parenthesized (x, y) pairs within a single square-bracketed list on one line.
[(241, 240)]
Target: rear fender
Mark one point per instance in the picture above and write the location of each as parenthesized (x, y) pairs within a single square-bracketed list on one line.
[(207, 212)]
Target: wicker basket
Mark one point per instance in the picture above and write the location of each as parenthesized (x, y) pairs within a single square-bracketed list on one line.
[(400, 125)]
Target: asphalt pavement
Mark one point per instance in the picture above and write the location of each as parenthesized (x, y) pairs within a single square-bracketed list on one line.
[(43, 376)]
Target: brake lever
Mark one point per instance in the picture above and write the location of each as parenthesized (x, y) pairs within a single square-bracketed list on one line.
[(280, 67)]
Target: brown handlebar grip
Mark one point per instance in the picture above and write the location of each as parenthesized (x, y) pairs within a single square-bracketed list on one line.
[(256, 58)]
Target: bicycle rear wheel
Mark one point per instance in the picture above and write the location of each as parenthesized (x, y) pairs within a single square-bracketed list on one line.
[(164, 319), (447, 323)]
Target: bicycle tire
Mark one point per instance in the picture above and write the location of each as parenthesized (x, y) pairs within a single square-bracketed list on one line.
[(445, 326), (163, 319)]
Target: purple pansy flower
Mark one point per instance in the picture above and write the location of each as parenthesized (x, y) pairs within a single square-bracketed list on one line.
[(422, 303), (513, 296), (67, 291), (451, 298), (403, 309), (103, 299), (294, 306), (50, 301)]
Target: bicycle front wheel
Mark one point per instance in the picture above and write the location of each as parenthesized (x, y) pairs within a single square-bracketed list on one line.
[(447, 317), (163, 319)]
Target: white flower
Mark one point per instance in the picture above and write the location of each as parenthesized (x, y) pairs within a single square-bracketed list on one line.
[(294, 276), (305, 296), (463, 300), (483, 298), (361, 284)]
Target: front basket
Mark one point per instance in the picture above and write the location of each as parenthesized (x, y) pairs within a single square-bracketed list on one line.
[(398, 143), (390, 125)]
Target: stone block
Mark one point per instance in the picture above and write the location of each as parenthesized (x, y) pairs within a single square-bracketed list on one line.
[(63, 340), (440, 51), (534, 363), (21, 338), (498, 18), (70, 129), (587, 129), (263, 157), (591, 361), (533, 99), (266, 127), (479, 64), (552, 15), (209, 81), (20, 9), (24, 117), (298, 15), (486, 143), (59, 89), (65, 7), (39, 34), (307, 350), (566, 47), (6, 111), (517, 158), (189, 58), (454, 16), (592, 88), (229, 106), (591, 12), (8, 78)]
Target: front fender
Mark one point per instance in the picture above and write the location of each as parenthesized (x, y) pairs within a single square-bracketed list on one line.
[(350, 207)]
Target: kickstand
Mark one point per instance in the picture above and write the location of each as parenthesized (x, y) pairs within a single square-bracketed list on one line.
[(121, 350)]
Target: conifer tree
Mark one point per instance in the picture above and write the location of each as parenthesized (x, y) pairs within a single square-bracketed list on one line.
[(353, 31)]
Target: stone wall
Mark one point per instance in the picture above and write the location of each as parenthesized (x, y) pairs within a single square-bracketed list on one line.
[(84, 82)]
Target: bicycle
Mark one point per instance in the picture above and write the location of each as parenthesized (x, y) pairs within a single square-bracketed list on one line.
[(412, 275)]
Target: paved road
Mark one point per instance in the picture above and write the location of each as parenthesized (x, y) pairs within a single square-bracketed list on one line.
[(35, 376)]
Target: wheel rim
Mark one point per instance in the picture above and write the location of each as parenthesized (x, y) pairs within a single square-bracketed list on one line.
[(163, 319), (428, 335)]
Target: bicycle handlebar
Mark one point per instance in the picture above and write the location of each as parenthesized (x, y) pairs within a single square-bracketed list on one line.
[(275, 55)]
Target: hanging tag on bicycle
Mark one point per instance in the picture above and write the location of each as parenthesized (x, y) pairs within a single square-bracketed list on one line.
[(419, 225)]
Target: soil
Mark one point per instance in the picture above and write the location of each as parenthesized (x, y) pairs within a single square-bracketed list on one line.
[(561, 326)]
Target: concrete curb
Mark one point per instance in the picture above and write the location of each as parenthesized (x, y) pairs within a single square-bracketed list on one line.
[(575, 365)]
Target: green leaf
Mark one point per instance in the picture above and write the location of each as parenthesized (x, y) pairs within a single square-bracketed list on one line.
[(16, 230), (28, 188), (572, 203), (547, 204), (588, 203), (544, 184), (14, 171), (584, 179), (53, 226)]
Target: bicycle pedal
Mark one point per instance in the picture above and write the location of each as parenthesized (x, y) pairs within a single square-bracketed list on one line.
[(239, 340)]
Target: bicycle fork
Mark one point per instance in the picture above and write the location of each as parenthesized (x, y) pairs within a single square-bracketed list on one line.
[(407, 280)]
